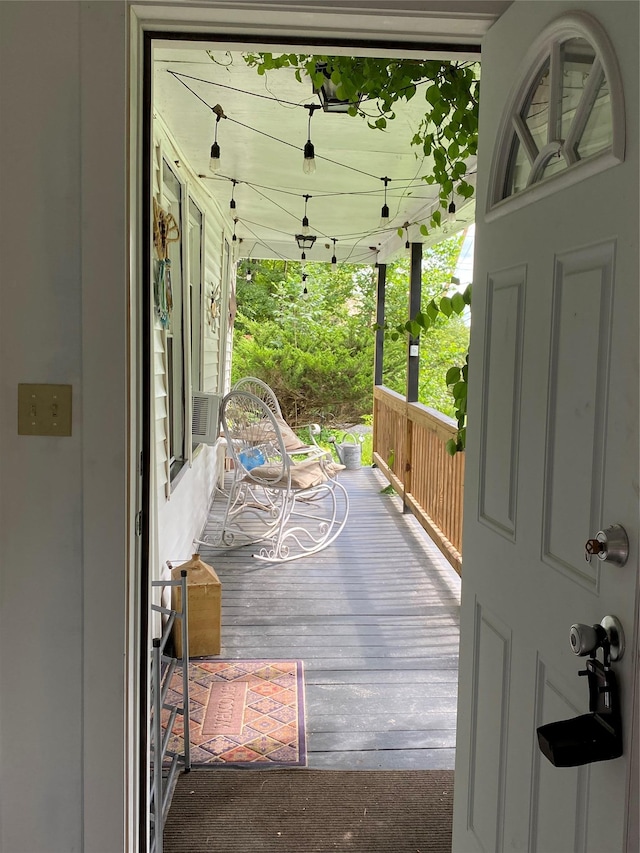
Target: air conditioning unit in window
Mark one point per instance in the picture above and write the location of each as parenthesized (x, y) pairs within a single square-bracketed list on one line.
[(205, 422)]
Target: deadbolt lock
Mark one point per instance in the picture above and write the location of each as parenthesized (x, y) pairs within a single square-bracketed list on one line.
[(610, 545)]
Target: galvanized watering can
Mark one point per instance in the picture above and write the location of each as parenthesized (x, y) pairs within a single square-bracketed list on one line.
[(349, 452)]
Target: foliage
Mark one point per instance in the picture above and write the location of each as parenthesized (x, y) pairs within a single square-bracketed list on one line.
[(457, 376), (316, 351), (448, 338), (448, 133)]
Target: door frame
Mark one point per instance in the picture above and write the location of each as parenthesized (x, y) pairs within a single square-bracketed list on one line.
[(342, 28)]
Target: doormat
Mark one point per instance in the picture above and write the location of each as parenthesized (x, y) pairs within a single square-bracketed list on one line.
[(244, 713)]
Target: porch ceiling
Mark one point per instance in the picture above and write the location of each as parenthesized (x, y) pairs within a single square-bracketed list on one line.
[(261, 148)]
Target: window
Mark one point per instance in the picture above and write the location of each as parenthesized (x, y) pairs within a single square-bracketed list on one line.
[(567, 111), (195, 289), (172, 203)]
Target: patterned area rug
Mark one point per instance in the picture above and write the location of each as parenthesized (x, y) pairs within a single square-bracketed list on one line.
[(243, 713)]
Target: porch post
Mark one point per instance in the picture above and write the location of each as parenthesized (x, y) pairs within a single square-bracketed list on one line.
[(413, 366), (415, 293), (380, 300)]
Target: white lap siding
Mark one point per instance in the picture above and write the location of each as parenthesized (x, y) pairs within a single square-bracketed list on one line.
[(181, 505)]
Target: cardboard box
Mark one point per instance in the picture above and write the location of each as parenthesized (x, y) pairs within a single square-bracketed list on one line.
[(204, 601)]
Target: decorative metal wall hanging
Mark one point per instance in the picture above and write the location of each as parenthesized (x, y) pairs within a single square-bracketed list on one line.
[(165, 231)]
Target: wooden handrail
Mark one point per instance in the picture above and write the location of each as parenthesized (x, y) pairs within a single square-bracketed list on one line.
[(409, 447)]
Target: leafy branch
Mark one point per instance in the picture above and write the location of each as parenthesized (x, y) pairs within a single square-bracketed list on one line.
[(448, 133), (457, 376)]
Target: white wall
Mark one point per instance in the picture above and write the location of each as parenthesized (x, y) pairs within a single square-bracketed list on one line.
[(182, 506), (63, 501)]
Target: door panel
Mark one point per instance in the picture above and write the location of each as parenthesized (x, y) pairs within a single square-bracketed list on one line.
[(578, 399), (489, 725), (501, 414), (551, 792), (552, 457)]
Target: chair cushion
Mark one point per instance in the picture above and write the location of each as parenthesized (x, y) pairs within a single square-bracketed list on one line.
[(290, 439), (304, 475), (263, 432)]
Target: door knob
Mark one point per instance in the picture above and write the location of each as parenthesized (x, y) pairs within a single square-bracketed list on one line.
[(610, 545), (608, 635)]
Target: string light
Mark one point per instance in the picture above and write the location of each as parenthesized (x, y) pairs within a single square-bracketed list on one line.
[(232, 203), (384, 213), (450, 218), (334, 260), (407, 244), (305, 218), (179, 77), (214, 160), (305, 291), (309, 162), (451, 212), (235, 222)]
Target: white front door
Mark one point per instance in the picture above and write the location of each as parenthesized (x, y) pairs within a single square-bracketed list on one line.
[(552, 451)]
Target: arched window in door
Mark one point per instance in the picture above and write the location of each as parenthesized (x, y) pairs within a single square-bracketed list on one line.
[(565, 115)]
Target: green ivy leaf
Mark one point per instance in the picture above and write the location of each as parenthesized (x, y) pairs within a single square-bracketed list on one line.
[(466, 294), (464, 189), (432, 94), (423, 320), (452, 447), (457, 303), (445, 306), (459, 391), (432, 309), (453, 375)]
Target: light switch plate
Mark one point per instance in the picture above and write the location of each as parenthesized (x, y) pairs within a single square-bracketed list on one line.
[(44, 409)]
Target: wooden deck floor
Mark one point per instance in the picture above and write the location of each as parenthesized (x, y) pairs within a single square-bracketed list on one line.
[(374, 617)]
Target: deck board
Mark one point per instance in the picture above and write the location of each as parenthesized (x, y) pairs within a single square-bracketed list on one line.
[(374, 617)]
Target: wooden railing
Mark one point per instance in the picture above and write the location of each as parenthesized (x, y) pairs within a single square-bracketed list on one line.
[(409, 448)]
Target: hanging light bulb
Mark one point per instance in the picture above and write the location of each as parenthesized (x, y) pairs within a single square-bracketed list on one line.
[(309, 162), (235, 222), (232, 203), (384, 213), (305, 218), (214, 161), (305, 291), (334, 260), (304, 256), (450, 218), (407, 244)]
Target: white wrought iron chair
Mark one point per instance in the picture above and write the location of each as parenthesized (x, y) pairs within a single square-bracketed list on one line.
[(256, 386), (288, 498)]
